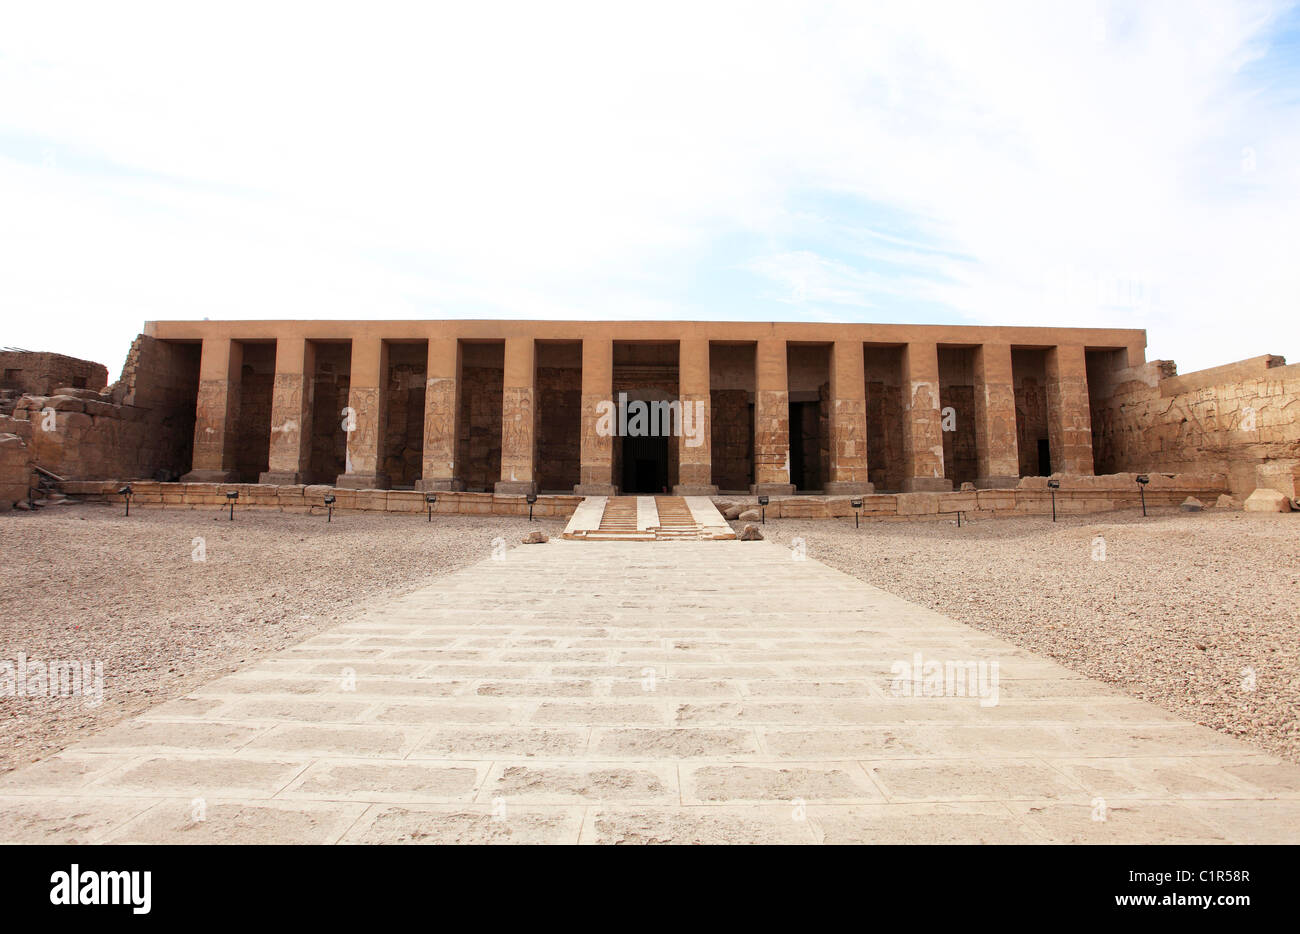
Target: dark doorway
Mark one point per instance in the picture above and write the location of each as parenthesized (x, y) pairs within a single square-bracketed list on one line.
[(645, 464), (805, 452), (1044, 458)]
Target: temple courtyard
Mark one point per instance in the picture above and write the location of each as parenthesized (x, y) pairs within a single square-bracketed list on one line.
[(384, 678)]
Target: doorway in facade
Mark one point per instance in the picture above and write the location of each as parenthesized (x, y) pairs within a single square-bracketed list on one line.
[(645, 464)]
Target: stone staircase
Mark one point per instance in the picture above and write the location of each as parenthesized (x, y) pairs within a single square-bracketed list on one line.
[(647, 519)]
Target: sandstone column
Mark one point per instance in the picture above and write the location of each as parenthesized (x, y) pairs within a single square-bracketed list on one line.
[(995, 418), (848, 466), (216, 414), (291, 411), (922, 424), (1069, 421), (519, 418), (442, 416), (771, 420), (367, 415), (596, 473), (695, 447)]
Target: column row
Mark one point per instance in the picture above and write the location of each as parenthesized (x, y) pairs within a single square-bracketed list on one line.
[(364, 417)]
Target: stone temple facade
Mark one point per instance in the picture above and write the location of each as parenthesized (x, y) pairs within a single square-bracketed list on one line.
[(515, 406)]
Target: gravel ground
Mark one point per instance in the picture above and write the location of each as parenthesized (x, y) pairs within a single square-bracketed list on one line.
[(84, 582), (1181, 604)]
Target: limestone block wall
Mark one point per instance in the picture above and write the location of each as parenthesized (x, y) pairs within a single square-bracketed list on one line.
[(141, 426), (1230, 419), (23, 371), (16, 461)]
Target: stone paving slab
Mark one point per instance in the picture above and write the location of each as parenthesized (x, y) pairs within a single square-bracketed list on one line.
[(627, 692)]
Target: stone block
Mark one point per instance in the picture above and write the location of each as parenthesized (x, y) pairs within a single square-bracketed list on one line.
[(1266, 500), (917, 504), (952, 502), (1283, 476), (1191, 504), (995, 499)]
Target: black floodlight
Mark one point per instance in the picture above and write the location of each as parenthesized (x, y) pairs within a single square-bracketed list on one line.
[(762, 502), (231, 496), (329, 506), (530, 499), (1143, 480), (127, 492), (429, 500), (1053, 485), (857, 505)]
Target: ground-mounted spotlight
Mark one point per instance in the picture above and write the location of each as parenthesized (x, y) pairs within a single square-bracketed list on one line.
[(1053, 485), (762, 502), (429, 500), (1142, 481), (231, 496), (530, 499), (857, 510), (126, 492), (329, 506)]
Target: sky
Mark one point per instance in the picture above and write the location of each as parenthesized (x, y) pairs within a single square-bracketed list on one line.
[(1062, 164)]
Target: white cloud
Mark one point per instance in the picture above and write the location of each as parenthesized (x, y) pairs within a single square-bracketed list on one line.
[(1028, 163)]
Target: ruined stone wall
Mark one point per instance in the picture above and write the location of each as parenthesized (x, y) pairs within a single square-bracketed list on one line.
[(23, 371), (141, 427), (1229, 419), (16, 461)]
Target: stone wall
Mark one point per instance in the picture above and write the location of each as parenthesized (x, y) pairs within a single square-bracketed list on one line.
[(16, 461), (1229, 419), (24, 371), (141, 427), (310, 499)]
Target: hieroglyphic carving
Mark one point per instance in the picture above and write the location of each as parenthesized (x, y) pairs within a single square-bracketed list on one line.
[(440, 410), (216, 410), (363, 439), (848, 441), (290, 425), (922, 437), (771, 436), (518, 434)]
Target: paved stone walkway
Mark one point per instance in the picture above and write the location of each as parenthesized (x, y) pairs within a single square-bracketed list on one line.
[(627, 692)]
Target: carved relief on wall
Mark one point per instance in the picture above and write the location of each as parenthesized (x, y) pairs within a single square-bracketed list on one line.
[(518, 431), (440, 428), (215, 410), (363, 439), (772, 436), (849, 440), (287, 414)]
